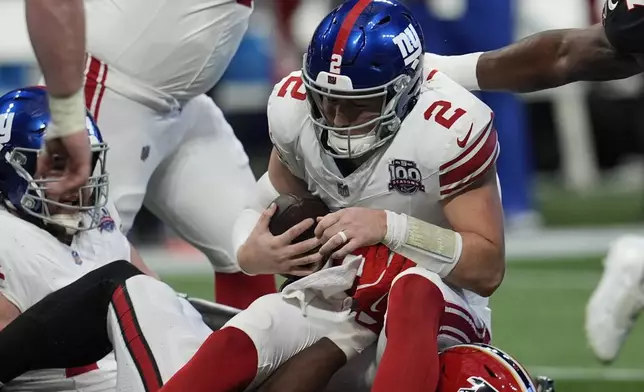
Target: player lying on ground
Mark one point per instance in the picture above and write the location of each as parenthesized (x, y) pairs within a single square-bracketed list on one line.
[(553, 58), (48, 242), (144, 321), (117, 295), (403, 158), (462, 366)]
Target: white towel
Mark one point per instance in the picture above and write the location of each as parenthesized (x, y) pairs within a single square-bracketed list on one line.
[(323, 293)]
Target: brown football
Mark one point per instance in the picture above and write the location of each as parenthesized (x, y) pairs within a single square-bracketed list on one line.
[(292, 210)]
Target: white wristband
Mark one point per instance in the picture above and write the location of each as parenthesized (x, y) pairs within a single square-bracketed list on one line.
[(461, 69), (68, 115), (432, 247)]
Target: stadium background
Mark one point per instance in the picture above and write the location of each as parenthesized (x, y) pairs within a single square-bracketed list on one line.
[(572, 170)]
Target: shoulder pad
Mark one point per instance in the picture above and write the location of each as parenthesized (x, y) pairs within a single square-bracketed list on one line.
[(287, 112), (287, 109), (472, 147)]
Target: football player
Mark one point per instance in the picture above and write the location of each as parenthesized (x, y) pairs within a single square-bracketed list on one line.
[(50, 242), (608, 51), (154, 333), (149, 64), (405, 159), (57, 32), (464, 368), (116, 293)]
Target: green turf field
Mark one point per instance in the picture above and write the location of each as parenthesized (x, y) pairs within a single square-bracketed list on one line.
[(538, 317)]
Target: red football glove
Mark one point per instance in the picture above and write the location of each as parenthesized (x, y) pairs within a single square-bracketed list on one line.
[(379, 269)]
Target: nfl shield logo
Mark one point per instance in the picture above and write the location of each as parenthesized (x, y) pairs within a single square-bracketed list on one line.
[(343, 189), (77, 258)]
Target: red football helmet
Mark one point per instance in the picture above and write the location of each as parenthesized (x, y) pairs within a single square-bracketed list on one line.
[(481, 368)]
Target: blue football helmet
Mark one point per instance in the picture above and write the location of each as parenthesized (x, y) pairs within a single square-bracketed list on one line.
[(24, 116), (364, 54)]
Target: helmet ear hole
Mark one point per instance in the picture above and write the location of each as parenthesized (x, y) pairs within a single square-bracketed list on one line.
[(490, 372), (384, 20)]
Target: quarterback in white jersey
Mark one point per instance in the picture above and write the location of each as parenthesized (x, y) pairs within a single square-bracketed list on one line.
[(149, 65), (402, 157), (47, 245)]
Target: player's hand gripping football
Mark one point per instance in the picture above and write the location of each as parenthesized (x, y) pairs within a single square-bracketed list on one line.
[(348, 229), (264, 253)]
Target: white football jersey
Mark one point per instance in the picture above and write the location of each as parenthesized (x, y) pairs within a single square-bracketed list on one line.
[(446, 142), (179, 47), (34, 264)]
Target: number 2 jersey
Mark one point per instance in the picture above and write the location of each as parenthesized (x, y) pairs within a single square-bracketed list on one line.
[(443, 146)]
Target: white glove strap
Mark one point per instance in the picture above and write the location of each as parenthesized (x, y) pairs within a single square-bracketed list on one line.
[(432, 247), (68, 115), (461, 69)]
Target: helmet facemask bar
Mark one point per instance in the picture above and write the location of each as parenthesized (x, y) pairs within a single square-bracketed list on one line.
[(379, 130), (90, 199)]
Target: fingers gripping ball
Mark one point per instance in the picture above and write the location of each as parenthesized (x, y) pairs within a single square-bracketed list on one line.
[(292, 210)]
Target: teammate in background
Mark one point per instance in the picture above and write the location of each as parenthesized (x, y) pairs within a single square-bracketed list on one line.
[(57, 32), (405, 159), (608, 51), (149, 65), (48, 243)]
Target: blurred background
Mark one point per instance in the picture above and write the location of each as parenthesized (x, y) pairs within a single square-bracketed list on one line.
[(571, 167)]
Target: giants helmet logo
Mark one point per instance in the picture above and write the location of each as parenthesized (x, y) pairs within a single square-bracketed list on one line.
[(409, 45), (478, 385), (405, 177), (6, 124)]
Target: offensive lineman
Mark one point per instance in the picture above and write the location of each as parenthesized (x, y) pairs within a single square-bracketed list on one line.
[(406, 160), (57, 32), (149, 65), (610, 51)]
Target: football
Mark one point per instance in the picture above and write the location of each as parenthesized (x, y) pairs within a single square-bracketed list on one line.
[(292, 210)]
